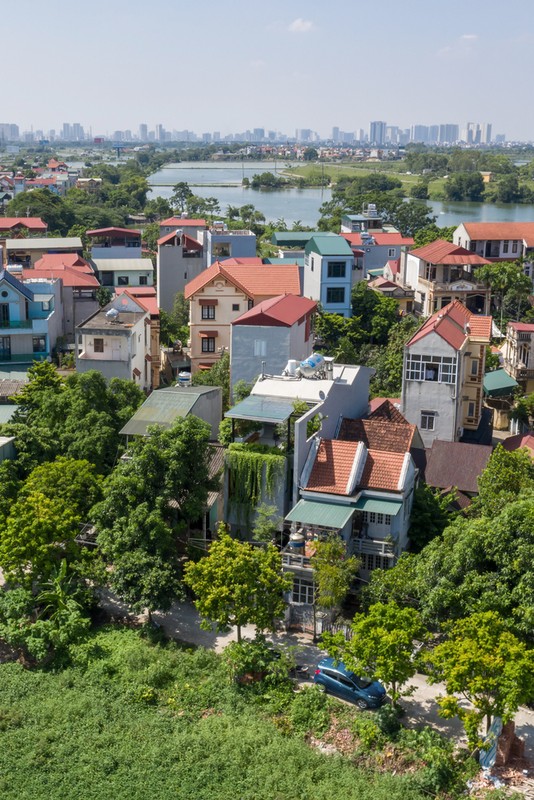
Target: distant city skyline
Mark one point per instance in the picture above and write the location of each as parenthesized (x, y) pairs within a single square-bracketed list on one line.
[(291, 64), (378, 133)]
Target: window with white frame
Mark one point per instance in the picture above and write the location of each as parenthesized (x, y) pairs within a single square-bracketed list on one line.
[(514, 247), (428, 420), (431, 368), (376, 518), (260, 347), (303, 591), (505, 246), (208, 312), (474, 368), (471, 410)]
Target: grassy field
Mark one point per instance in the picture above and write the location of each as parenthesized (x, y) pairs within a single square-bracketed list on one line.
[(132, 720), (355, 170)]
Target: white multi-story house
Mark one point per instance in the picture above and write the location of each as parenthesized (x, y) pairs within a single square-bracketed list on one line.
[(518, 354), (358, 486), (116, 341), (180, 259), (441, 272), (30, 319), (443, 375)]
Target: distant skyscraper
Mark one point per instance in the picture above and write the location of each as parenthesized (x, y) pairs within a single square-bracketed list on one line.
[(143, 132), (392, 134), (66, 134), (419, 133), (335, 135), (160, 133), (486, 133), (448, 134), (433, 134), (377, 133)]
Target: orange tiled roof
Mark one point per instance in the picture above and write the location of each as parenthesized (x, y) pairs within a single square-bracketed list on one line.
[(332, 466), (494, 231), (450, 323), (443, 252), (254, 280), (382, 470)]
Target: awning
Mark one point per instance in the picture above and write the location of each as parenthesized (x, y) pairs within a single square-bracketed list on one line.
[(208, 334), (376, 273), (208, 301), (324, 515), (499, 384), (262, 409), (373, 504)]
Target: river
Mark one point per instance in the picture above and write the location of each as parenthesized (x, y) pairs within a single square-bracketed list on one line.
[(223, 180)]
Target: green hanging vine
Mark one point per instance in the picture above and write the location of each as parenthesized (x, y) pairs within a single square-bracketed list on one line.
[(252, 470)]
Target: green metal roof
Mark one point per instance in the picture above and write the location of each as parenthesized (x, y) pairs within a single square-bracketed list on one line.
[(499, 384), (325, 515), (376, 273), (391, 507), (291, 238), (163, 407), (328, 244), (262, 409)]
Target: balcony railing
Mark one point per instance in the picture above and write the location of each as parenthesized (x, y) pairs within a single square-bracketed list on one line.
[(446, 285), (22, 358), (15, 324)]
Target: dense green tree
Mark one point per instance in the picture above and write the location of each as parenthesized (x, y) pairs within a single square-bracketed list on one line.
[(507, 476), (74, 482), (104, 295), (333, 573), (382, 646), (505, 279), (431, 233), (388, 360), (43, 203), (310, 154), (483, 662), (430, 516), (465, 186), (376, 313), (237, 584), (180, 195), (218, 375)]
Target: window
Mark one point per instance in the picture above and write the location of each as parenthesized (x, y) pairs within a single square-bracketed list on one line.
[(505, 246), (470, 410), (375, 518), (473, 246), (372, 561), (260, 347), (336, 269), (428, 420), (335, 294), (250, 304), (474, 369), (143, 280), (39, 344), (392, 252), (235, 306), (431, 368), (98, 345), (430, 272), (208, 344), (45, 305), (303, 591), (208, 312), (123, 280), (514, 247)]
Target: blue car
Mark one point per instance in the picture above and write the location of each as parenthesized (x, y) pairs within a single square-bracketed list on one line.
[(333, 677)]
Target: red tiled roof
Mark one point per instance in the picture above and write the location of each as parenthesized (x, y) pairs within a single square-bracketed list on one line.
[(52, 260), (443, 252), (522, 327), (494, 231), (99, 231), (332, 466), (450, 323), (76, 277), (144, 295), (394, 265), (521, 440), (379, 433), (32, 223), (183, 223), (382, 470), (284, 311), (386, 408), (189, 242), (256, 280), (383, 283)]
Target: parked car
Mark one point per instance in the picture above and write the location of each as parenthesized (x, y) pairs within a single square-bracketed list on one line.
[(333, 677)]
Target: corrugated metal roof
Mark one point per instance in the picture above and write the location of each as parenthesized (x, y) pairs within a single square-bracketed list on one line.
[(325, 515), (328, 244), (373, 504), (498, 383), (163, 407), (123, 264)]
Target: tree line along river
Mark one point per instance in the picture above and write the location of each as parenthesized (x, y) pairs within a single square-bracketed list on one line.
[(223, 180)]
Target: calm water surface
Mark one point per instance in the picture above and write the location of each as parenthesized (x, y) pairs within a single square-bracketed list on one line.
[(223, 181)]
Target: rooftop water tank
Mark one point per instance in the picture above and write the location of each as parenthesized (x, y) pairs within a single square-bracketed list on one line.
[(312, 365)]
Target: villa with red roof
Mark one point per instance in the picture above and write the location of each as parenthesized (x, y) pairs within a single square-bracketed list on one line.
[(146, 296), (497, 241), (441, 272), (221, 293), (16, 227), (443, 375), (268, 335)]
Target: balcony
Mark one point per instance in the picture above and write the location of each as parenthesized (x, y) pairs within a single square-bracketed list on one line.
[(13, 325), (445, 286), (22, 358)]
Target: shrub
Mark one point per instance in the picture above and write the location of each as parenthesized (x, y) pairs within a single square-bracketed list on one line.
[(309, 712)]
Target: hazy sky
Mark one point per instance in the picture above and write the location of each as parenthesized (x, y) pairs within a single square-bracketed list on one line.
[(278, 65)]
